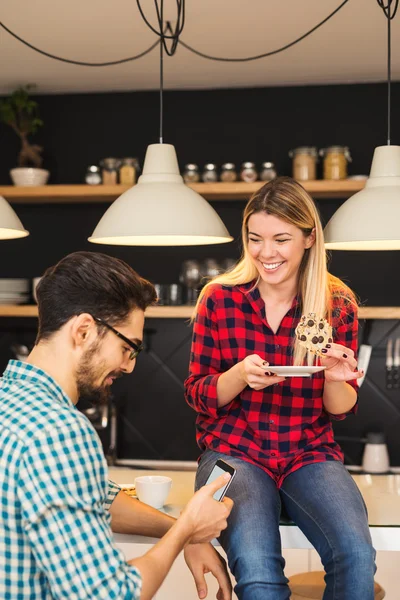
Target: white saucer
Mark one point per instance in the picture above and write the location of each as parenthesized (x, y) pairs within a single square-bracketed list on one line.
[(128, 486), (293, 371)]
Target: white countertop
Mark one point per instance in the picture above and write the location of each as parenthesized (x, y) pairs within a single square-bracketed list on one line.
[(381, 494)]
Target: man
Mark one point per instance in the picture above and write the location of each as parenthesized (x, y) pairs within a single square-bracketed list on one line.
[(55, 536)]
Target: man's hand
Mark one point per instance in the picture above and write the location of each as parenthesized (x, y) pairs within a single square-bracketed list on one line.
[(207, 517), (203, 558)]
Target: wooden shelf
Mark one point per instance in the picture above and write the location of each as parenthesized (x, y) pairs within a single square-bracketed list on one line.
[(239, 190), (185, 312), (379, 312), (154, 312)]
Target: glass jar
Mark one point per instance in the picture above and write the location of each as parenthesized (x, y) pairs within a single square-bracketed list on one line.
[(190, 277), (228, 172), (304, 163), (191, 173), (93, 175), (210, 174), (211, 268), (109, 171), (248, 172), (268, 171), (335, 161), (128, 171), (174, 294)]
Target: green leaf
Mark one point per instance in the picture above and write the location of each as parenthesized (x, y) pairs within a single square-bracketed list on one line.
[(20, 111)]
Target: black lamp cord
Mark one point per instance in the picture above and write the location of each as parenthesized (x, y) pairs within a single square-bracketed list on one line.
[(161, 90), (168, 32), (174, 36), (77, 62), (386, 7)]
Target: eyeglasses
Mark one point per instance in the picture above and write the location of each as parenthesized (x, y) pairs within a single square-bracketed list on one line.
[(136, 350)]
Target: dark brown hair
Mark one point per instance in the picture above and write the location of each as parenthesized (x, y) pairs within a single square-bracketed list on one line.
[(90, 282)]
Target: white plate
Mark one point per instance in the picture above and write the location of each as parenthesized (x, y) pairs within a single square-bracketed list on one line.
[(10, 295), (294, 371), (14, 300), (16, 285), (127, 486)]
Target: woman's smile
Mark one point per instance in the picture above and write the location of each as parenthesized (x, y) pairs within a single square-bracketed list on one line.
[(272, 266)]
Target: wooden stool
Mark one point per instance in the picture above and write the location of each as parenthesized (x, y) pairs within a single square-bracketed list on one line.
[(311, 586)]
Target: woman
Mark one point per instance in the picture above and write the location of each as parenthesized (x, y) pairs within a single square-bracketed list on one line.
[(277, 432)]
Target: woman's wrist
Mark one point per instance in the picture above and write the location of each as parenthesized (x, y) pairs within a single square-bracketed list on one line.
[(230, 384)]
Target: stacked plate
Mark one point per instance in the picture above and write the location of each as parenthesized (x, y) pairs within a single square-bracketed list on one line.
[(14, 291)]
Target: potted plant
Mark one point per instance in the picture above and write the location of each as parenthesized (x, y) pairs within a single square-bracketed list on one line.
[(20, 112)]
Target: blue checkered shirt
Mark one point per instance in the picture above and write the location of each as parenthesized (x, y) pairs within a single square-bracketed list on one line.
[(55, 535)]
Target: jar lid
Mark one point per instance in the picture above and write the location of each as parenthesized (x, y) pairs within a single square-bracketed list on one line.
[(337, 150), (228, 166), (130, 161), (334, 149), (210, 166), (268, 165), (191, 167), (248, 165), (110, 163), (93, 169), (312, 150)]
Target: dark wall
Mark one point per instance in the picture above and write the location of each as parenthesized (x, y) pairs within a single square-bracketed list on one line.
[(209, 126), (218, 126)]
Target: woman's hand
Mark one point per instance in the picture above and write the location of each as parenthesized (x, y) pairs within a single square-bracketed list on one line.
[(254, 371), (340, 363)]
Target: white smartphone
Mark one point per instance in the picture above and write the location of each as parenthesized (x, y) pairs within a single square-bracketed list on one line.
[(220, 468)]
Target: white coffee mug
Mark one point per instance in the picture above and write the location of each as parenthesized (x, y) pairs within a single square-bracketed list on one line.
[(375, 457), (153, 489)]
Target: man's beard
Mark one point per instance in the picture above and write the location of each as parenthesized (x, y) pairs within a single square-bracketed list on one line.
[(88, 372)]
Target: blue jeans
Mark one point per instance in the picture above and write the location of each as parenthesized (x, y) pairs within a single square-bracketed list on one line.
[(325, 503)]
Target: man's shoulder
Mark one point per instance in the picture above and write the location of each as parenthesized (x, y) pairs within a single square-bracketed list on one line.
[(30, 411)]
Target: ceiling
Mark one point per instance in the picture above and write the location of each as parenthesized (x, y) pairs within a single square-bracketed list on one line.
[(350, 48)]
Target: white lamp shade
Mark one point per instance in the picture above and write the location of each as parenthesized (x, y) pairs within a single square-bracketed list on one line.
[(370, 220), (10, 225), (160, 210)]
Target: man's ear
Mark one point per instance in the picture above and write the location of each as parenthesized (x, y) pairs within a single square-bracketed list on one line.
[(82, 329)]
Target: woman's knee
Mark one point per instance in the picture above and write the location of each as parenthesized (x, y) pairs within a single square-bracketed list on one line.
[(359, 555), (362, 554), (257, 567)]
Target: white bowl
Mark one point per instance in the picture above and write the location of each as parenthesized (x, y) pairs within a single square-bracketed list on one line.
[(29, 176), (153, 489)]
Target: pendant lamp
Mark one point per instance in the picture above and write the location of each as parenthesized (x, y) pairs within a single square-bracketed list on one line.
[(10, 225), (370, 220), (160, 210)]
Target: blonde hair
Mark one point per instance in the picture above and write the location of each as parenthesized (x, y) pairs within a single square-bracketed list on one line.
[(288, 200)]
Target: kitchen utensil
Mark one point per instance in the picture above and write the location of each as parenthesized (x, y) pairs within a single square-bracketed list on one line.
[(389, 364), (396, 364), (364, 354), (364, 357), (20, 351)]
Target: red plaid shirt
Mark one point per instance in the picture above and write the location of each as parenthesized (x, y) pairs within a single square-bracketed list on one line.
[(282, 427)]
